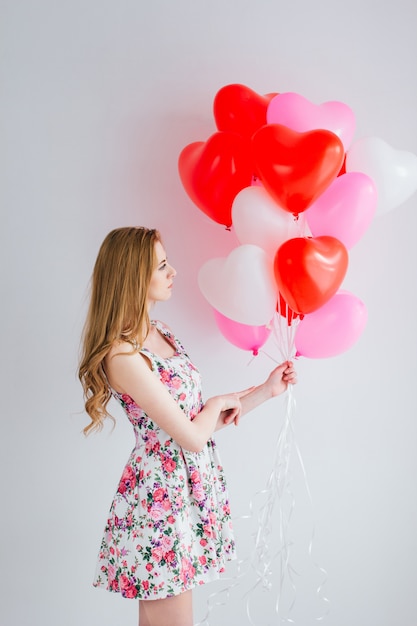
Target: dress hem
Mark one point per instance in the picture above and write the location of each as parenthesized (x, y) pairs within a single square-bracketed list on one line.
[(217, 575)]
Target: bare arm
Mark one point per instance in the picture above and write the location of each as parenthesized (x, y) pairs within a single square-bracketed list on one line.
[(276, 383), (130, 374)]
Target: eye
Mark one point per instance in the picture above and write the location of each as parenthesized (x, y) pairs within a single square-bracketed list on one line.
[(163, 266)]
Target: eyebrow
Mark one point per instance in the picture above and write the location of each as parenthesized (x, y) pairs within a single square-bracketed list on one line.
[(163, 261)]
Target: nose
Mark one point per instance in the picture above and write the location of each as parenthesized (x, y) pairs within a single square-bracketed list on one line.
[(172, 271)]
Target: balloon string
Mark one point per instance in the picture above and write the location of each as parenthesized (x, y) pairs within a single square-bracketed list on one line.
[(277, 491), (213, 600), (286, 345), (321, 569), (278, 486)]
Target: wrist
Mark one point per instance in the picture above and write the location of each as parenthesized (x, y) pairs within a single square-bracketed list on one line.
[(268, 389)]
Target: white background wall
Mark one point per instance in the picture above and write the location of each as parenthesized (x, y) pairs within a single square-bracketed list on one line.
[(98, 99)]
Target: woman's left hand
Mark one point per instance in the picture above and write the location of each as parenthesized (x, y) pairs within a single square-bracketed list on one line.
[(276, 383), (279, 379)]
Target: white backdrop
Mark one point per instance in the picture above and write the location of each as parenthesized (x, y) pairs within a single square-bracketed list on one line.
[(98, 98)]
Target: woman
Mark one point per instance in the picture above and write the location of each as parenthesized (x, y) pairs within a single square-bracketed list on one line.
[(169, 526)]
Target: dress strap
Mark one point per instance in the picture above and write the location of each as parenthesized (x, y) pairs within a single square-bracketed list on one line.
[(174, 341)]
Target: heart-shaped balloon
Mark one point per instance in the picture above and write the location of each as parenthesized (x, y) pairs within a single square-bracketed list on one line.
[(241, 286), (243, 336), (394, 172), (332, 329), (259, 220), (296, 167), (345, 209), (309, 271), (298, 113), (238, 109), (214, 171)]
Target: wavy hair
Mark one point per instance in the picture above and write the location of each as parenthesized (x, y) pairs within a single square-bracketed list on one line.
[(118, 310)]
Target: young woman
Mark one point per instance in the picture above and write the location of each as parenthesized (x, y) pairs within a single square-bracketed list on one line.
[(169, 526)]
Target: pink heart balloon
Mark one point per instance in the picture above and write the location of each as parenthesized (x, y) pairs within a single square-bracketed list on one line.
[(345, 210), (259, 220), (298, 113), (243, 336), (241, 286), (394, 172), (332, 329)]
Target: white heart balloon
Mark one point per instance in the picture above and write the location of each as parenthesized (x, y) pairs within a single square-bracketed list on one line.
[(241, 286), (259, 220), (394, 172)]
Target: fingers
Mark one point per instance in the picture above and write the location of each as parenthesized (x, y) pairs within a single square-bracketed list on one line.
[(289, 374), (232, 415), (286, 372)]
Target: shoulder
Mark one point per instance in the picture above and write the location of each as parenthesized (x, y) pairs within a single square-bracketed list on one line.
[(120, 347), (125, 354), (124, 363)]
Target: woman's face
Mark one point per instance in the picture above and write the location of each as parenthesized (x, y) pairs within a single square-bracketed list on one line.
[(160, 287)]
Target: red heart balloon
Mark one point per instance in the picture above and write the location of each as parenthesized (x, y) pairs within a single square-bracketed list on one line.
[(238, 109), (309, 271), (213, 173), (296, 167)]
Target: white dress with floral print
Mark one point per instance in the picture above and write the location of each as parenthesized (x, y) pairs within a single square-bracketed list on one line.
[(169, 526)]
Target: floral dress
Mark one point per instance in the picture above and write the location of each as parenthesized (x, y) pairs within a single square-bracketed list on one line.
[(169, 527)]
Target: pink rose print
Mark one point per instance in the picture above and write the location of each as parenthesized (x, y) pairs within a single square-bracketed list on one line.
[(166, 504), (165, 376), (208, 530), (128, 480), (127, 587), (170, 556), (157, 554), (176, 382), (156, 512), (195, 477), (198, 492), (167, 542), (187, 570), (159, 494), (169, 465), (212, 517)]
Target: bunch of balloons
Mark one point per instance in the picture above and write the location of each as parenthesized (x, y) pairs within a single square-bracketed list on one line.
[(284, 173)]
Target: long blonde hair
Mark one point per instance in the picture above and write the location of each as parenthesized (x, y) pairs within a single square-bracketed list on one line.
[(118, 310)]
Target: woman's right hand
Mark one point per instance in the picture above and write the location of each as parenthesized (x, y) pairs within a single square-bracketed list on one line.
[(231, 407), (228, 406)]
